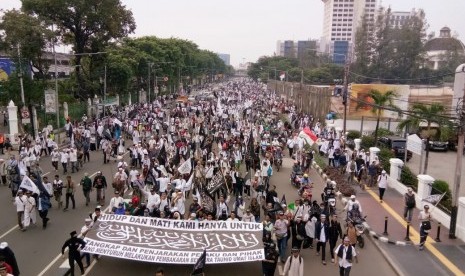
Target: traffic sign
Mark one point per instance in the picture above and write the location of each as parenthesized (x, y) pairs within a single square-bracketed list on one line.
[(414, 144), (25, 113)]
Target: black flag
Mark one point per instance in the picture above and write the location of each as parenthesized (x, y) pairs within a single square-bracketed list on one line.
[(283, 200), (250, 146), (162, 155), (200, 264)]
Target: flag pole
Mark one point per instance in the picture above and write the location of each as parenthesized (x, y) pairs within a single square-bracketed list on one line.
[(225, 181)]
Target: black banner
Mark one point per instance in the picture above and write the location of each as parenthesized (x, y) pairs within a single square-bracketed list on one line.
[(216, 182)]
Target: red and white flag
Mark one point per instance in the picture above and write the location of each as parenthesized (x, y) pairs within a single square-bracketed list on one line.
[(308, 136)]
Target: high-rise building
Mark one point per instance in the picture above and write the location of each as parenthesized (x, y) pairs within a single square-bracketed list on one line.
[(398, 18), (304, 46), (225, 57), (286, 48), (295, 49), (340, 22)]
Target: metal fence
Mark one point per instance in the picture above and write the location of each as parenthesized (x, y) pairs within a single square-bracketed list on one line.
[(315, 100), (75, 112)]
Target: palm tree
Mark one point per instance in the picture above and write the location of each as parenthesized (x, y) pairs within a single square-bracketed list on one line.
[(426, 114), (381, 101)]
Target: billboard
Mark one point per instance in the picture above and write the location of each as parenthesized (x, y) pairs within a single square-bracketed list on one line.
[(360, 103), (7, 66)]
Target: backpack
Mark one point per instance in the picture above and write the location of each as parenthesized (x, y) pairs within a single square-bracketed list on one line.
[(410, 201), (290, 260), (270, 171)]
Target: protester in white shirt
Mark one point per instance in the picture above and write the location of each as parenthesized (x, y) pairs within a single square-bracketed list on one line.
[(179, 202), (248, 216), (345, 253), (153, 199), (30, 207), (19, 202)]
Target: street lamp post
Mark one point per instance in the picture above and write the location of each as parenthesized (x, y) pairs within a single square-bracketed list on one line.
[(20, 75), (148, 80), (275, 77)]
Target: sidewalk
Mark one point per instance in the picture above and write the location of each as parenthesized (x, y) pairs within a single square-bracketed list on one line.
[(444, 256)]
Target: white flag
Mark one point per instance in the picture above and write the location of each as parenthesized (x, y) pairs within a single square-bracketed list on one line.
[(434, 199), (29, 185), (118, 122), (219, 107), (209, 173), (198, 196), (186, 167), (188, 185)]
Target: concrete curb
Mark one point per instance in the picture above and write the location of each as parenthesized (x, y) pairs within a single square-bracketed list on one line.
[(386, 256), (368, 230)]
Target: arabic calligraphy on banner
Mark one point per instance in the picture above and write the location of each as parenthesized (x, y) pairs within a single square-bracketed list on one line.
[(175, 241)]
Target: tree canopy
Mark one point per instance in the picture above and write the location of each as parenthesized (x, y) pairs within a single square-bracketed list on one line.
[(88, 25), (319, 71)]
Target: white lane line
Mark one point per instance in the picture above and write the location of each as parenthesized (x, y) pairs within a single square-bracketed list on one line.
[(65, 264), (51, 264), (66, 261), (9, 231), (66, 250), (16, 226), (92, 264)]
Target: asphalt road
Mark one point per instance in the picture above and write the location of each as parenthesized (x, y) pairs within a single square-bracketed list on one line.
[(38, 250), (441, 166)]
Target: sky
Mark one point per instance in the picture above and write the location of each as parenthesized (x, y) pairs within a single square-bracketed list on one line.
[(249, 29)]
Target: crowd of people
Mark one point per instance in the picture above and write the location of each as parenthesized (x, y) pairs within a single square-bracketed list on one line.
[(167, 154)]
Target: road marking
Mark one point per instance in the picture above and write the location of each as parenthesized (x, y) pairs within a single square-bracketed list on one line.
[(51, 264), (66, 250), (92, 264), (429, 242), (280, 269), (9, 231), (16, 226)]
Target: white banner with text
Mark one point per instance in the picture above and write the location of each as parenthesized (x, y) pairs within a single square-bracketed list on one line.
[(175, 241)]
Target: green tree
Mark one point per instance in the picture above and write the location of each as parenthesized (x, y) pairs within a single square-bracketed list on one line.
[(381, 101), (130, 61), (382, 45), (408, 46), (89, 25), (29, 35), (363, 48), (429, 115), (270, 65)]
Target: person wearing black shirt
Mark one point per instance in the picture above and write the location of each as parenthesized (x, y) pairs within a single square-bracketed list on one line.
[(335, 232), (271, 195), (74, 245), (271, 256)]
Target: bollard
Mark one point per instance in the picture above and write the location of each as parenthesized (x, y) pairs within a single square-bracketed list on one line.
[(385, 226), (438, 233), (407, 235)]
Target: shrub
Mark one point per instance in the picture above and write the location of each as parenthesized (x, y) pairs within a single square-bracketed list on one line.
[(384, 155), (367, 142), (408, 178), (384, 132), (440, 187), (342, 186), (353, 134), (320, 160)]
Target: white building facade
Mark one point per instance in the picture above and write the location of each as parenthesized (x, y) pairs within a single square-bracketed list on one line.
[(340, 23)]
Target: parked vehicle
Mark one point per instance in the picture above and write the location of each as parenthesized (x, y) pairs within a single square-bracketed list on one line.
[(397, 145), (438, 145)]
